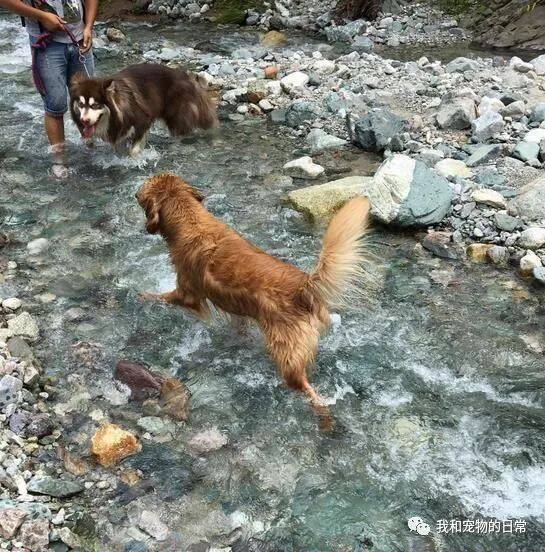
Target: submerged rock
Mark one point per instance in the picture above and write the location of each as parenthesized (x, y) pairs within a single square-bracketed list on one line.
[(207, 441), (142, 382), (478, 251), (406, 192), (111, 444), (319, 140), (174, 400), (37, 246), (150, 523), (58, 488), (322, 201)]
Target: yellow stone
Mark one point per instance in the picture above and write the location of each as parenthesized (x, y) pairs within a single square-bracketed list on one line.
[(111, 444), (477, 251)]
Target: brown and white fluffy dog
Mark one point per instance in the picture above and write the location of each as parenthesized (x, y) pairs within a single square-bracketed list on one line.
[(214, 263), (122, 107)]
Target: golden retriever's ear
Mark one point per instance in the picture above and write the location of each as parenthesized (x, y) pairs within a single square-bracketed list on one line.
[(152, 214)]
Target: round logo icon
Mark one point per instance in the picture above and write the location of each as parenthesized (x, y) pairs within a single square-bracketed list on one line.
[(417, 524)]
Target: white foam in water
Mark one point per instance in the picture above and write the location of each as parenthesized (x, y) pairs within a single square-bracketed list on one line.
[(193, 340), (108, 159), (340, 393), (394, 399), (449, 383), (18, 59)]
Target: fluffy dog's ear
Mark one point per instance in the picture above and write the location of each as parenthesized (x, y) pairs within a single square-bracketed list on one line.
[(152, 214)]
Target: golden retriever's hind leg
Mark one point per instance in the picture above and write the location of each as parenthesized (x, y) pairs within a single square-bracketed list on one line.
[(293, 349)]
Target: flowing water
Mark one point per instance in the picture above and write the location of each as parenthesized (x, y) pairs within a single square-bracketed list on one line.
[(437, 389)]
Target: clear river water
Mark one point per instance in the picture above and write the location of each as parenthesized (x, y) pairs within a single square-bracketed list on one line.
[(436, 388)]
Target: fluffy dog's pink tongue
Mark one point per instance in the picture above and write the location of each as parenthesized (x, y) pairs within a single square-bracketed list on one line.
[(89, 131)]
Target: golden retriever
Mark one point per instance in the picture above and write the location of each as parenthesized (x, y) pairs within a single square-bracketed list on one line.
[(214, 263)]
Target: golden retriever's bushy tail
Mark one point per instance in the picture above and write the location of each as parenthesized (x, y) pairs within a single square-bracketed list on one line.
[(339, 273)]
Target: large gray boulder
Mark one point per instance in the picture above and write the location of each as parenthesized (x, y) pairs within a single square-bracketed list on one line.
[(375, 130), (530, 201), (456, 113), (461, 65), (405, 192)]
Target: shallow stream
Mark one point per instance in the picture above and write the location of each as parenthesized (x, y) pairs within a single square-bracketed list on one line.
[(437, 389)]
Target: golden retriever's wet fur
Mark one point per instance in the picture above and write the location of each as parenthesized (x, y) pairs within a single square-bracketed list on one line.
[(214, 263)]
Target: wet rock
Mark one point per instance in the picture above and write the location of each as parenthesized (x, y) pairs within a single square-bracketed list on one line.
[(539, 274), (12, 304), (440, 244), (271, 72), (304, 168), (319, 140), (527, 152), (72, 464), (174, 400), (10, 391), (529, 262), (489, 197), (111, 444), (27, 425), (300, 112), (375, 130), (24, 325), (498, 255), (483, 154), (461, 65), (478, 251), (115, 35), (532, 238), (10, 521), (136, 546), (37, 246), (321, 202), (207, 441), (487, 126), (345, 33), (453, 167), (142, 382), (155, 425), (406, 192), (530, 201), (274, 38), (456, 114), (297, 79), (150, 523), (58, 488), (34, 535)]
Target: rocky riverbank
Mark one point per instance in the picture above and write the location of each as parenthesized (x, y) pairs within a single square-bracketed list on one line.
[(469, 135)]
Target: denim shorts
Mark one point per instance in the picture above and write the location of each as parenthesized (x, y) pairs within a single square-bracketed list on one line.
[(57, 63)]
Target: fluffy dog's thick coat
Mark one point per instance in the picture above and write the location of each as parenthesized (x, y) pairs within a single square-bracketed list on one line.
[(215, 263), (125, 105)]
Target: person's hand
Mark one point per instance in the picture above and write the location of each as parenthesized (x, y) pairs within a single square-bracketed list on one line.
[(87, 39), (52, 22)]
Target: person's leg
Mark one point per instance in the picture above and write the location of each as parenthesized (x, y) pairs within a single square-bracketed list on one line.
[(51, 64)]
